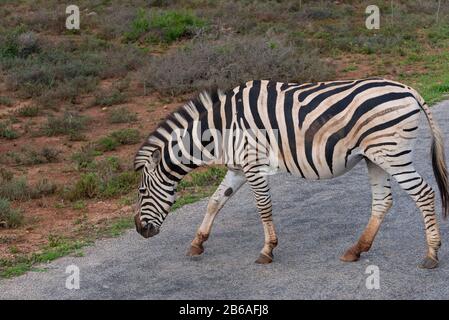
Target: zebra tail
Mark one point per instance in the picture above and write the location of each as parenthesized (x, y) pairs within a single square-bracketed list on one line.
[(438, 158)]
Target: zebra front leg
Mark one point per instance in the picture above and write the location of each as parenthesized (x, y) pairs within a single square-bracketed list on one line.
[(382, 201), (261, 190), (231, 183)]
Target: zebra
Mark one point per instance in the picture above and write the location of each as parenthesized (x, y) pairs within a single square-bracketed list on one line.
[(316, 130)]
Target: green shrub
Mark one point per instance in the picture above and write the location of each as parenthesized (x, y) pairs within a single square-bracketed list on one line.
[(5, 175), (173, 25), (62, 70), (85, 156), (119, 184), (107, 144), (139, 26), (28, 111), (103, 185), (210, 177), (7, 132), (29, 156), (86, 187), (121, 115), (104, 179), (15, 189), (164, 27), (110, 97), (108, 167), (17, 43), (43, 188), (126, 136), (19, 189), (68, 123), (6, 101), (9, 217)]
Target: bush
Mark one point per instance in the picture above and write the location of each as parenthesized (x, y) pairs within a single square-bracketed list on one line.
[(126, 136), (43, 188), (7, 132), (107, 144), (62, 70), (164, 27), (15, 189), (117, 138), (232, 62), (119, 184), (18, 44), (172, 25), (18, 189), (139, 26), (109, 98), (6, 101), (28, 111), (209, 177), (33, 156), (121, 115), (85, 156), (68, 123), (106, 181), (9, 217), (86, 187)]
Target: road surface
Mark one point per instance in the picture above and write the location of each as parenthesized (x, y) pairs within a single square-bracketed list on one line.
[(316, 222)]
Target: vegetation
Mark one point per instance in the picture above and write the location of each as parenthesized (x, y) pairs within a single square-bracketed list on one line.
[(231, 62), (68, 123), (106, 98), (9, 217), (31, 156), (121, 115), (7, 131), (106, 178), (59, 88), (163, 27), (28, 111), (19, 189)]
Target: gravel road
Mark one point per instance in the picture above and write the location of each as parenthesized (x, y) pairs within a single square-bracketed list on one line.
[(316, 222)]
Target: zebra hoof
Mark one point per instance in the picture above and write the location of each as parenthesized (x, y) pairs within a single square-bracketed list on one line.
[(428, 263), (264, 259), (350, 256), (195, 251)]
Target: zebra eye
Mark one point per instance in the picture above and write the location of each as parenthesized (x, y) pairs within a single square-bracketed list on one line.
[(142, 190)]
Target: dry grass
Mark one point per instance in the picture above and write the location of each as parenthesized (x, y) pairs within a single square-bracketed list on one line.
[(228, 63)]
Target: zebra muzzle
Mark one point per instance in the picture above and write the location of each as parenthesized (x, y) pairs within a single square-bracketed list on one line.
[(146, 230)]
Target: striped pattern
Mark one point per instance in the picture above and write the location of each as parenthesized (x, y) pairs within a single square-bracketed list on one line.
[(313, 130)]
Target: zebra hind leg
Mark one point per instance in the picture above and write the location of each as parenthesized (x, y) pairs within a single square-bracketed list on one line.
[(402, 169), (381, 202), (228, 187), (424, 197)]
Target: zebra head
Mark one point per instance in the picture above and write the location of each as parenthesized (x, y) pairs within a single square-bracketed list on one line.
[(156, 192)]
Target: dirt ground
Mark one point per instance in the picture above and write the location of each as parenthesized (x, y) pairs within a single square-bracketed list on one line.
[(51, 215)]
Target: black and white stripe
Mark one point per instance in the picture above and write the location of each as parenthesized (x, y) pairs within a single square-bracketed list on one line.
[(313, 130)]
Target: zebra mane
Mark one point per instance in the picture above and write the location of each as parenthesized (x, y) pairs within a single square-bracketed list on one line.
[(193, 110)]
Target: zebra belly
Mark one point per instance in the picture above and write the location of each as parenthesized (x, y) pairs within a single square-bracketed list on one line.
[(342, 166)]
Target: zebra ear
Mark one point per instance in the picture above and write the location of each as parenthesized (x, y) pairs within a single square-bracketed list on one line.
[(156, 156), (147, 158)]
